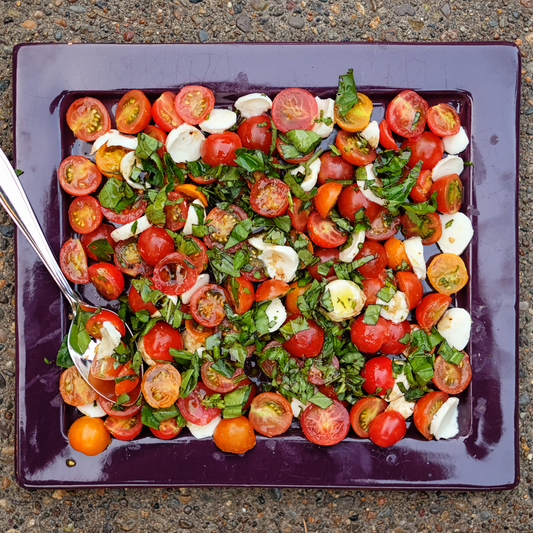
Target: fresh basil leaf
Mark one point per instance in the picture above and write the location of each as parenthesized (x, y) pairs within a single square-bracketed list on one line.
[(304, 141), (198, 168), (334, 150), (321, 400), (296, 188), (449, 354), (148, 418), (387, 292), (146, 146), (292, 327), (101, 249), (346, 94), (222, 368), (283, 223), (372, 314), (239, 233), (63, 356), (173, 170)]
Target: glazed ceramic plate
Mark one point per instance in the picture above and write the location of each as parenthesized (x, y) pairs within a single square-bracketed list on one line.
[(480, 80)]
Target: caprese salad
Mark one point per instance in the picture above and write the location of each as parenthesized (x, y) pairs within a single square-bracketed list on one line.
[(272, 263)]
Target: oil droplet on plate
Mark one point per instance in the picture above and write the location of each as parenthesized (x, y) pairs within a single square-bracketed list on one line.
[(392, 459)]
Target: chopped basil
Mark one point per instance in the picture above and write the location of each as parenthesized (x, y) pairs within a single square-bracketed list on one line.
[(146, 146), (292, 327), (304, 141), (283, 223), (63, 356), (346, 93), (372, 314), (221, 367), (449, 354), (239, 233), (449, 223), (321, 400), (101, 249), (334, 150)]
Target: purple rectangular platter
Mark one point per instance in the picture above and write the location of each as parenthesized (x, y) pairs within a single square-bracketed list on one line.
[(48, 77)]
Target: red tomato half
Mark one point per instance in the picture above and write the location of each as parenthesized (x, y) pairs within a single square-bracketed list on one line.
[(367, 337), (241, 299), (174, 274), (325, 255), (280, 147), (431, 309), (406, 114), (443, 120), (328, 426), (294, 109), (334, 167), (396, 332), (352, 199), (88, 119), (420, 192), (353, 150), (79, 176), (127, 215), (168, 429), (224, 221), (219, 148), (449, 191), (323, 231), (385, 136), (138, 304), (428, 227), (159, 135), (378, 375), (207, 305), (164, 113), (269, 197), (270, 289), (375, 266), (299, 216), (133, 113), (192, 409), (363, 412), (85, 214), (124, 428), (107, 279), (159, 340), (105, 369), (194, 103), (103, 231), (387, 429), (217, 382), (128, 259), (128, 380), (256, 133), (411, 286), (450, 378), (426, 147), (73, 261), (270, 414), (306, 343), (96, 323), (122, 412), (383, 226), (371, 286), (176, 212)]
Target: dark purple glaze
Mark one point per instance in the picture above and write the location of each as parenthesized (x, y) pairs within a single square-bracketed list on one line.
[(484, 456)]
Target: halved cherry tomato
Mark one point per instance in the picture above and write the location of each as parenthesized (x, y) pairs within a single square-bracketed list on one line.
[(138, 304), (385, 136), (127, 380), (124, 428), (159, 135), (376, 265), (106, 368), (92, 242), (371, 287), (207, 305), (292, 297), (199, 259), (306, 343), (269, 197), (316, 376), (299, 216), (161, 385), (176, 213), (127, 215), (411, 286), (396, 256), (133, 113), (174, 274), (325, 427), (282, 146), (425, 409), (363, 412), (191, 192), (192, 409), (450, 378), (352, 199), (84, 214), (88, 119), (426, 147), (129, 261), (334, 167), (270, 289), (324, 232), (121, 411), (443, 120), (240, 294), (428, 227), (219, 148), (270, 414), (107, 279), (387, 428), (198, 332), (224, 221), (168, 429), (78, 176), (294, 109), (256, 133), (353, 149), (73, 261), (397, 331), (108, 160), (154, 244), (234, 435), (358, 117), (74, 389), (447, 273), (383, 226), (159, 340), (194, 103), (95, 324), (217, 382), (89, 436), (378, 375), (449, 191), (406, 114), (325, 255), (257, 268), (420, 192), (431, 309), (326, 198), (164, 113)]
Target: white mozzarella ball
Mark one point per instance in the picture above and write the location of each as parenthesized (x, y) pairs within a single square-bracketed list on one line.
[(402, 406), (414, 249), (201, 281), (451, 164), (396, 310), (455, 327), (192, 218), (311, 177), (347, 299), (457, 232), (444, 424), (219, 121), (455, 144), (253, 104), (326, 108), (348, 254), (204, 432), (371, 134), (92, 409), (184, 143), (276, 314), (281, 262), (370, 176), (126, 231)]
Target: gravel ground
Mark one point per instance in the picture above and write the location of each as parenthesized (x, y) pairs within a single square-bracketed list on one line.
[(269, 511)]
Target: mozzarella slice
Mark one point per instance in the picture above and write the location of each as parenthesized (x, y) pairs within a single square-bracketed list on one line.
[(204, 432), (258, 243), (326, 109), (253, 104), (190, 344), (184, 143), (126, 141), (201, 281), (405, 408), (126, 166), (457, 232), (455, 327), (455, 144), (347, 299), (451, 164), (125, 231), (110, 340), (367, 192), (444, 424), (414, 249), (281, 262), (297, 407), (348, 254), (276, 314), (92, 409), (311, 178), (396, 310), (101, 141), (371, 134), (219, 121), (395, 392), (146, 358), (192, 218)]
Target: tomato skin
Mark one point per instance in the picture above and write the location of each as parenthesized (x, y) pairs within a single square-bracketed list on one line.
[(396, 332), (430, 230), (447, 273), (334, 167), (358, 117), (160, 339), (159, 135), (164, 113), (411, 286), (224, 221), (74, 389), (363, 412), (173, 276), (431, 309), (176, 214), (371, 286), (78, 175), (127, 385), (381, 229), (103, 231), (269, 197), (270, 289), (192, 409), (168, 429), (425, 409), (352, 150), (154, 244), (108, 159), (255, 136), (89, 436), (323, 231), (443, 120), (402, 113), (133, 113), (449, 191), (325, 427), (128, 259), (396, 255), (420, 192), (270, 414), (299, 217), (85, 214), (73, 261), (352, 199), (127, 215), (124, 428), (245, 295), (385, 136), (88, 119), (193, 103), (378, 373), (199, 259), (307, 343), (234, 435), (138, 304), (96, 322), (219, 148), (376, 265), (387, 429), (126, 413), (426, 147), (107, 279), (292, 298), (207, 305), (369, 338), (326, 198), (450, 378), (294, 109), (198, 332), (161, 385)]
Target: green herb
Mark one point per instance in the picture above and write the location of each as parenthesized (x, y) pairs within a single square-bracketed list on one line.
[(155, 212), (372, 314), (101, 249), (468, 164), (198, 168), (449, 354), (239, 233), (221, 367), (116, 195), (296, 188), (334, 150), (292, 327), (346, 94), (412, 394), (283, 223), (146, 146), (18, 172), (326, 120), (304, 141), (63, 358), (321, 400), (449, 223)]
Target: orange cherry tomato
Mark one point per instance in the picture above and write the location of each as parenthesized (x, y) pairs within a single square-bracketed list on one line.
[(396, 253), (108, 160), (270, 289), (326, 197), (234, 435), (241, 296), (191, 191), (270, 414), (198, 332), (161, 385), (447, 273), (89, 435), (358, 116), (292, 298), (74, 389)]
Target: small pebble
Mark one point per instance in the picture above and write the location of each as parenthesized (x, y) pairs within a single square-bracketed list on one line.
[(58, 35), (29, 24), (297, 22), (128, 36), (244, 23), (204, 36), (404, 9)]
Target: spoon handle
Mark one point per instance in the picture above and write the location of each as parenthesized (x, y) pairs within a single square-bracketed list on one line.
[(16, 203)]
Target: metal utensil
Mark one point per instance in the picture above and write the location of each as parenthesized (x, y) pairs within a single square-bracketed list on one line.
[(15, 202)]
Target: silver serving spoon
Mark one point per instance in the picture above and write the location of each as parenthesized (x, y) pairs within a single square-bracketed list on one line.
[(16, 203)]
